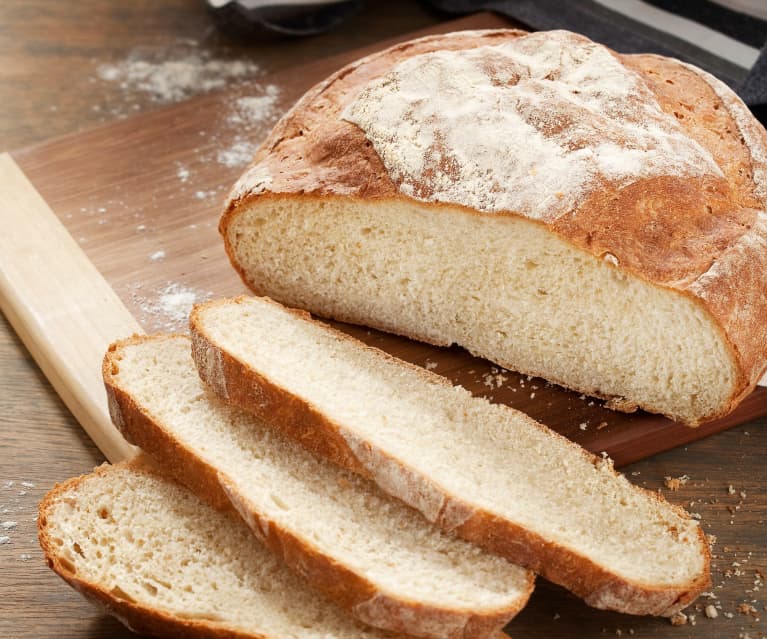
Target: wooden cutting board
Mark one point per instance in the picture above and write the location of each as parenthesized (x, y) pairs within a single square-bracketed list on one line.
[(119, 222)]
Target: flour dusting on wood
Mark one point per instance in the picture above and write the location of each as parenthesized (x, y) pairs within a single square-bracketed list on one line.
[(249, 117), (166, 308), (175, 78)]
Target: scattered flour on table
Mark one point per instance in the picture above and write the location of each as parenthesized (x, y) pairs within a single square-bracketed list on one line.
[(205, 195), (240, 153), (157, 255), (176, 302), (249, 117), (169, 307), (182, 173), (21, 506), (169, 76)]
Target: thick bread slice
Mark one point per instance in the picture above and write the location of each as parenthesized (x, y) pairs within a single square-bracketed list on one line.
[(591, 218), (485, 471), (166, 564), (368, 552)]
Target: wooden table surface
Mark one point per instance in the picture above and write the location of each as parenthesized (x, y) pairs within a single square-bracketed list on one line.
[(50, 54)]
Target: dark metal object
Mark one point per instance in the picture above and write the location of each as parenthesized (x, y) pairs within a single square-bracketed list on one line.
[(267, 18)]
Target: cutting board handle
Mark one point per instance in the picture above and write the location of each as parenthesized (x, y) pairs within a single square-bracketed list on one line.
[(59, 304)]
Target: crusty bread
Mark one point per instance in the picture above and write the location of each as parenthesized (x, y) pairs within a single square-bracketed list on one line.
[(370, 553), (484, 471), (166, 564), (592, 218)]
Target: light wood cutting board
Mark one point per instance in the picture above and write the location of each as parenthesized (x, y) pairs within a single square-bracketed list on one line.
[(113, 230)]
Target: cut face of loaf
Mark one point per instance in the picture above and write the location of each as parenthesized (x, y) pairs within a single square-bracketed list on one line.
[(503, 287), (484, 471), (370, 553), (594, 219), (166, 564)]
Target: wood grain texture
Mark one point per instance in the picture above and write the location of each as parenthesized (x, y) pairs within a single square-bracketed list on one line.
[(60, 305), (48, 55)]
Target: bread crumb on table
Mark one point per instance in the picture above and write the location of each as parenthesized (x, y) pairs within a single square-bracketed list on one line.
[(747, 609), (711, 611)]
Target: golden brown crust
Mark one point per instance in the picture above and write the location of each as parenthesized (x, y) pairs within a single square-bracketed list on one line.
[(338, 582), (139, 619), (307, 425), (669, 231)]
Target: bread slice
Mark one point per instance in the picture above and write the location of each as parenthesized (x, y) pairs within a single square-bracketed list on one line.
[(592, 218), (485, 471), (166, 564), (368, 552)]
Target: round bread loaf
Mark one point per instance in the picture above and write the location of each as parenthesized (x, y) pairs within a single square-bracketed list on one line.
[(591, 218)]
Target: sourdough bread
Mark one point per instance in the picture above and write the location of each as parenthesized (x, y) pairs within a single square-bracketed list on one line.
[(166, 564), (484, 471), (368, 552), (591, 218)]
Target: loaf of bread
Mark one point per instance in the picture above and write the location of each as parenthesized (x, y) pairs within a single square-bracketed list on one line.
[(591, 218), (483, 471), (374, 556), (165, 564)]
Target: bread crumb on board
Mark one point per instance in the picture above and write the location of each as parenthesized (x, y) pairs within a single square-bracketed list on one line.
[(494, 379), (678, 619), (621, 405), (747, 609), (673, 483)]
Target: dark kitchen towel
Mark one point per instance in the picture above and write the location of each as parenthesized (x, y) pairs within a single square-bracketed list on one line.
[(718, 38)]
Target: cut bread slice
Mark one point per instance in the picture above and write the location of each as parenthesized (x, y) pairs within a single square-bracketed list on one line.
[(484, 471), (165, 564), (368, 552)]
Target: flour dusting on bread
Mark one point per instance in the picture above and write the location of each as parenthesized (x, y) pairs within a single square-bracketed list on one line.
[(448, 126)]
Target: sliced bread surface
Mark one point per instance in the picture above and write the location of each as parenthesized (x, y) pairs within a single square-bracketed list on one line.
[(374, 556), (485, 471), (166, 564)]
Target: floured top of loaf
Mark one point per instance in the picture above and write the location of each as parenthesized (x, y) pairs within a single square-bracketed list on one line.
[(449, 125)]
